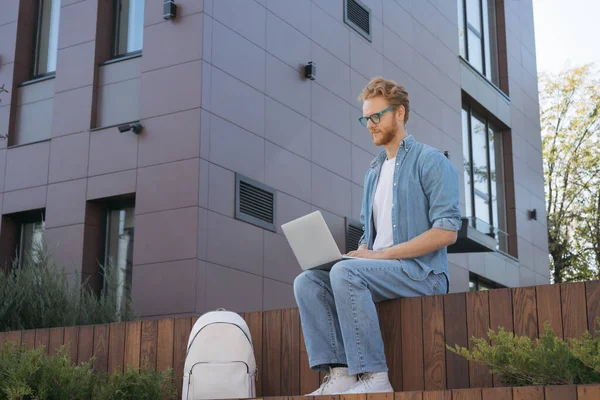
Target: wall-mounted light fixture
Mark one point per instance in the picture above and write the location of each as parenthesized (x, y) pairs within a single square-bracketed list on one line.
[(136, 127), (532, 214), (169, 9), (310, 71)]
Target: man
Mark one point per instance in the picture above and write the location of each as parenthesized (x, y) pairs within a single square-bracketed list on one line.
[(410, 214)]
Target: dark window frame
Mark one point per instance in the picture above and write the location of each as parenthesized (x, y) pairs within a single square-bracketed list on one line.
[(110, 205), (473, 112), (114, 55), (479, 281), (468, 27), (22, 218), (35, 53)]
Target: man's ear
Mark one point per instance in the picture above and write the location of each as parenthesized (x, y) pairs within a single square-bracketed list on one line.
[(400, 111)]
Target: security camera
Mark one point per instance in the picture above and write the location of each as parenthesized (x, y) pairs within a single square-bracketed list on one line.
[(124, 128), (135, 127)]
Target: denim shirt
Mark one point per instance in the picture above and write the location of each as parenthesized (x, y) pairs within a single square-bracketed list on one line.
[(425, 196)]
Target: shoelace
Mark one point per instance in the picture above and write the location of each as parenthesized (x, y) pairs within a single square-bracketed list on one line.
[(366, 379), (326, 382)]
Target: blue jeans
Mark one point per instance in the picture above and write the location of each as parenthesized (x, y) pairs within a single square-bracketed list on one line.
[(338, 315)]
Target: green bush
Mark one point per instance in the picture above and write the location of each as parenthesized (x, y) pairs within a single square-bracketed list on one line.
[(37, 294), (549, 360), (30, 374)]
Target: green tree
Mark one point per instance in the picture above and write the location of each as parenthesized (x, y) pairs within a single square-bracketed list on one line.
[(570, 110)]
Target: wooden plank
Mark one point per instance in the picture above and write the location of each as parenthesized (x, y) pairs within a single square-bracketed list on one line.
[(411, 316), (3, 339), (290, 354), (165, 344), (592, 291), (309, 379), (55, 340), (347, 397), (71, 340), (116, 347), (478, 324), (438, 395), (254, 320), (455, 327), (434, 350), (566, 392), (42, 337), (390, 323), (148, 344), (501, 315), (272, 353), (549, 308), (85, 345), (574, 311), (133, 343), (380, 396), (466, 394), (503, 393), (528, 393), (588, 392), (408, 396), (14, 337), (501, 311), (101, 347), (195, 319), (183, 326), (525, 312), (28, 338)]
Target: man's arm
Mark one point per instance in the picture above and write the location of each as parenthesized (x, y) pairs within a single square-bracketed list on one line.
[(440, 184), (425, 243)]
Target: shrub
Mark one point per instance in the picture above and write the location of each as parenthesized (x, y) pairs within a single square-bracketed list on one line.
[(31, 374), (37, 294), (549, 360)]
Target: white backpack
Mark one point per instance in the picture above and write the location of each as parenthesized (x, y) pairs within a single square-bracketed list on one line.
[(219, 362)]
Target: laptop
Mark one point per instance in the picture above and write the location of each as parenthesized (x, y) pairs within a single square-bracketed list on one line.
[(312, 242)]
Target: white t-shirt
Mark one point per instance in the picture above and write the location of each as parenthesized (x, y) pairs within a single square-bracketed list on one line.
[(382, 206)]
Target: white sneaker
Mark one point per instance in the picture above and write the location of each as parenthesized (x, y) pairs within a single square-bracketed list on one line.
[(337, 381), (371, 382)]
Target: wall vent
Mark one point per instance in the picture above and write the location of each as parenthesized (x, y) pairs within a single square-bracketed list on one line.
[(358, 17), (354, 232), (255, 203)]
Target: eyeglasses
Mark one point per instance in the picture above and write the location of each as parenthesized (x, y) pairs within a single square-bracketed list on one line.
[(375, 118)]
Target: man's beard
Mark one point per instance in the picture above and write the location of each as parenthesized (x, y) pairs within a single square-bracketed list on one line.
[(387, 135)]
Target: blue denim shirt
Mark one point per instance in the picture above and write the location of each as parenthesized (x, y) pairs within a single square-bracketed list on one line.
[(425, 195)]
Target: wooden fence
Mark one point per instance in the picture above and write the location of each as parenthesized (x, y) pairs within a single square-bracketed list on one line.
[(587, 392), (415, 331)]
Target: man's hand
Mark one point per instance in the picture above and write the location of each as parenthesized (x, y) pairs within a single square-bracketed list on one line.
[(363, 252)]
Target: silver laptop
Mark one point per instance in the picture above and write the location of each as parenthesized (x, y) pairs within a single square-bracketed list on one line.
[(312, 242)]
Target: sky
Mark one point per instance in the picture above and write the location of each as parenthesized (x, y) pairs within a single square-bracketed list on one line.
[(567, 33)]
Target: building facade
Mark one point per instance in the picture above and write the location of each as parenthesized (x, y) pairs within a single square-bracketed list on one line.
[(176, 145)]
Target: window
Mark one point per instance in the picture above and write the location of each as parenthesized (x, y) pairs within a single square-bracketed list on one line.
[(478, 37), (119, 248), (128, 27), (477, 283), (31, 241), (46, 38), (484, 177)]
